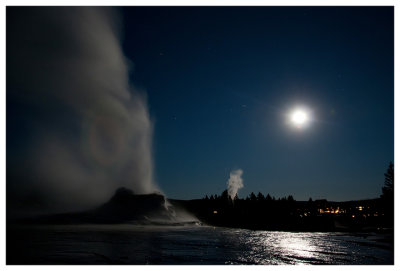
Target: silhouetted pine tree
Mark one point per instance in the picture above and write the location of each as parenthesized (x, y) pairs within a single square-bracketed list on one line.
[(388, 188), (388, 196), (224, 195)]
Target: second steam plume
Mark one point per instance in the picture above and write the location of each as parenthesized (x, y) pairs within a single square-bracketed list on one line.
[(235, 182)]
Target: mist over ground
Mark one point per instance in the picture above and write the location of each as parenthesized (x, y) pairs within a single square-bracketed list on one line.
[(76, 126)]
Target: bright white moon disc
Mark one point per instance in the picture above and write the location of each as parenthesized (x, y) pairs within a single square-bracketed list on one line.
[(299, 117)]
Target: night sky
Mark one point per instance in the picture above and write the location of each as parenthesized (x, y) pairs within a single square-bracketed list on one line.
[(221, 80), (220, 83)]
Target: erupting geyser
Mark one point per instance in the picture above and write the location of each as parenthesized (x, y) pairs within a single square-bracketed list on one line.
[(235, 182), (89, 129)]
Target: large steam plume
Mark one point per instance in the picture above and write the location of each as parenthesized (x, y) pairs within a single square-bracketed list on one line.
[(90, 129), (235, 182)]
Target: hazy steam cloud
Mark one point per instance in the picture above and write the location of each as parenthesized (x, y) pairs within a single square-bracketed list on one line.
[(235, 182), (89, 130)]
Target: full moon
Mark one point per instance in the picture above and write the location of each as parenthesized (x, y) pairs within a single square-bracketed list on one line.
[(299, 117)]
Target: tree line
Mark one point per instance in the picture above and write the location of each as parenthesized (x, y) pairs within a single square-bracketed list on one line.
[(251, 197), (387, 192)]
